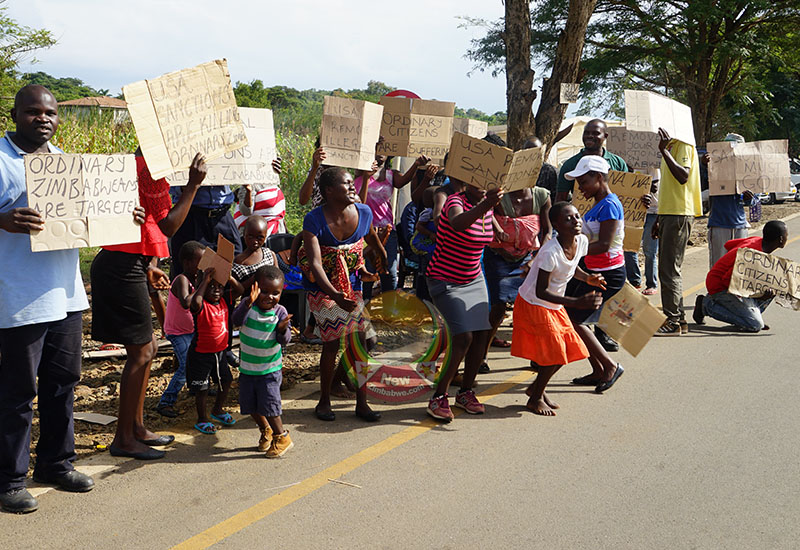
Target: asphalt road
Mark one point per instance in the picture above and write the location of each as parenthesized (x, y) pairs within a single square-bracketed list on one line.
[(695, 447)]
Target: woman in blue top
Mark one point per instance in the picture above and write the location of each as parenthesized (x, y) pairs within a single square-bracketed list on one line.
[(333, 270)]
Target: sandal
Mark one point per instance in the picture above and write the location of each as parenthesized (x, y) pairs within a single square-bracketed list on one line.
[(649, 291), (224, 418), (498, 343), (206, 427)]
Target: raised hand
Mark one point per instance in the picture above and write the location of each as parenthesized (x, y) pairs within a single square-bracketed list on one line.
[(197, 170)]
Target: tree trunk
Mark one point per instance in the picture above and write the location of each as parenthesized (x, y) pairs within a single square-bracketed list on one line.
[(566, 69), (519, 75)]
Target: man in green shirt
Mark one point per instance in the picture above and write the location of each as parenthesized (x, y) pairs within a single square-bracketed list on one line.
[(595, 134)]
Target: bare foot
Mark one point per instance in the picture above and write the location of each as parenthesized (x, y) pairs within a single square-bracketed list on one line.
[(144, 434), (339, 390), (540, 407), (551, 404)]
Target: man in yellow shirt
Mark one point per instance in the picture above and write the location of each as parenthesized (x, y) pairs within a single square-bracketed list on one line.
[(679, 202)]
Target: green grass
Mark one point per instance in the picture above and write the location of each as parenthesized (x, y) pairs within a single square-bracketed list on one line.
[(86, 256)]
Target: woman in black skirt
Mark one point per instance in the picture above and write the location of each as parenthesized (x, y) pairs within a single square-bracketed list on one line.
[(121, 302)]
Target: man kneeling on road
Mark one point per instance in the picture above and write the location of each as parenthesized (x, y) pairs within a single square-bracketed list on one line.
[(744, 313)]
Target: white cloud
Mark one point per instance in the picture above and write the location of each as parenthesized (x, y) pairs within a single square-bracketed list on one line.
[(414, 44)]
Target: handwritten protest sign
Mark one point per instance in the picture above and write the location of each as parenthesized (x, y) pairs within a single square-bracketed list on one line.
[(413, 127), (250, 165), (630, 319), (487, 166), (221, 260), (648, 111), (569, 92), (757, 166), (183, 113), (639, 149), (85, 200), (473, 128), (629, 188), (350, 130), (754, 272)]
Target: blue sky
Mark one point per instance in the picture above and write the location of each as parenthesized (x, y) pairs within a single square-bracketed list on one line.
[(412, 44)]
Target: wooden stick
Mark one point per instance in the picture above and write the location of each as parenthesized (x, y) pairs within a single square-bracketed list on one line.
[(345, 483)]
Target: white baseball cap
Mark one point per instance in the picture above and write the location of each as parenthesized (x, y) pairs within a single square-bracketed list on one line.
[(588, 163)]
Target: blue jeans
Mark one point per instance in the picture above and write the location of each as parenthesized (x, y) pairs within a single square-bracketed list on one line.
[(180, 344), (632, 272), (735, 310), (650, 248), (388, 281)]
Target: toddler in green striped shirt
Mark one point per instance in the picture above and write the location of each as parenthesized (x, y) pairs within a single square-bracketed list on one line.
[(263, 333)]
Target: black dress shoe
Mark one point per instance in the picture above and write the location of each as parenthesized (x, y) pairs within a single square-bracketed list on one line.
[(371, 416), (603, 386), (150, 454), (484, 368), (160, 441), (327, 417), (74, 481), (18, 501)]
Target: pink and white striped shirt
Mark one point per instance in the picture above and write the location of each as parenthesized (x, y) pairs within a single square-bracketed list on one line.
[(268, 203)]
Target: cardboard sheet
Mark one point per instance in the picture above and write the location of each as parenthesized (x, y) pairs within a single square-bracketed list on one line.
[(487, 166), (569, 92), (473, 128), (757, 166), (754, 272), (85, 200), (185, 112), (630, 319), (413, 127), (250, 165), (350, 131), (638, 149), (221, 260), (649, 111)]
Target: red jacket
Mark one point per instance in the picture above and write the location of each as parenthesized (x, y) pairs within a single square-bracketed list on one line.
[(719, 278)]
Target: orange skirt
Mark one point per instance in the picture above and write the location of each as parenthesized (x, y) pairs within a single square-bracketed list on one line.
[(544, 335)]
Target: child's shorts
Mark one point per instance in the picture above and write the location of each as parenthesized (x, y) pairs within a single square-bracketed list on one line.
[(202, 366), (260, 393)]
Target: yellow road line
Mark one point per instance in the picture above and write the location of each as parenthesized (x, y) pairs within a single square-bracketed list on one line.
[(266, 507)]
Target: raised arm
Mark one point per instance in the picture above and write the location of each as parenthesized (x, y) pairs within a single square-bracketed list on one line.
[(172, 221), (461, 220), (196, 297), (307, 188), (402, 179), (681, 173)]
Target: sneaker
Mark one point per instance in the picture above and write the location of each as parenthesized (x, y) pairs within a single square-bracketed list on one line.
[(439, 408), (697, 314), (684, 327), (280, 444), (263, 441), (466, 400), (669, 328)]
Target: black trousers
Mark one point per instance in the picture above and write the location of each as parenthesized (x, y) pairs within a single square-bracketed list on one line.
[(203, 225), (43, 359)]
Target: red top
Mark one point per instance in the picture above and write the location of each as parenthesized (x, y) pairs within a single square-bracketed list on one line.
[(154, 197), (719, 278), (457, 255), (211, 327)]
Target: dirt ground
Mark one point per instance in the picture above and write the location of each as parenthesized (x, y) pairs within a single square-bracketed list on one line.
[(98, 390)]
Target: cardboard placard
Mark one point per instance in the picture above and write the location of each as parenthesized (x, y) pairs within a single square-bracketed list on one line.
[(350, 130), (629, 188), (473, 128), (638, 149), (757, 166), (649, 111), (487, 166), (250, 165), (183, 113), (754, 272), (413, 127), (569, 92), (221, 260), (85, 200), (630, 319)]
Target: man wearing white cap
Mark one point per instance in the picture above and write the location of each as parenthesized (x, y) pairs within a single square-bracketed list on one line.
[(679, 202)]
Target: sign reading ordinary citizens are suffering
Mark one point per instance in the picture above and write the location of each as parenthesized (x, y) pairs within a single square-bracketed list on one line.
[(754, 272), (639, 149), (413, 127), (250, 165), (629, 188), (350, 130), (85, 200), (183, 113), (487, 166), (757, 166), (630, 319), (648, 111)]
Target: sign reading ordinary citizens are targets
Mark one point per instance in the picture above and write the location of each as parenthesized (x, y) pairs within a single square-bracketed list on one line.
[(183, 113)]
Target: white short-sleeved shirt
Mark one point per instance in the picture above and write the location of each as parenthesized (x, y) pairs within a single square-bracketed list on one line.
[(551, 258), (35, 287)]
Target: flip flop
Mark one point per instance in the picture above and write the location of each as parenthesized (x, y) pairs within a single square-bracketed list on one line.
[(650, 291), (206, 427), (225, 418), (498, 343)]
